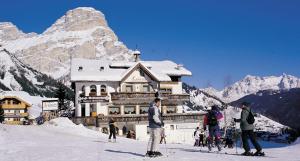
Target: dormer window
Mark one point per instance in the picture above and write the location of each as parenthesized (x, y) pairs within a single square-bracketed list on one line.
[(80, 68), (101, 68), (142, 73)]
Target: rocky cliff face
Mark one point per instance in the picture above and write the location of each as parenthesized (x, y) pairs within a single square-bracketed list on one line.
[(17, 76), (81, 33)]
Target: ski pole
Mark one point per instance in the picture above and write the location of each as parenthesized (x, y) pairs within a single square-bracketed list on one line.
[(236, 136)]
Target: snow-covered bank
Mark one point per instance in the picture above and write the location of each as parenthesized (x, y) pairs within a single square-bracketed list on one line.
[(61, 140)]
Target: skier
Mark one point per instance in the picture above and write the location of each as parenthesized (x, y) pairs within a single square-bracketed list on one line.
[(155, 125), (197, 137), (247, 127), (211, 119), (112, 130), (201, 140)]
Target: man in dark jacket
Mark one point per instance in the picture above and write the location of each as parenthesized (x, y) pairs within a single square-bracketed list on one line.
[(155, 125), (112, 130), (248, 131)]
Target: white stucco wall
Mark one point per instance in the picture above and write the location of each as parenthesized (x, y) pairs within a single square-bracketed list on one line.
[(182, 133)]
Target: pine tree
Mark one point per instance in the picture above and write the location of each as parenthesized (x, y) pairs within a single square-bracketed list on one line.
[(61, 95), (1, 114)]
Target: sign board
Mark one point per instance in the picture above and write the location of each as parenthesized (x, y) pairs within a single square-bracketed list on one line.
[(50, 105)]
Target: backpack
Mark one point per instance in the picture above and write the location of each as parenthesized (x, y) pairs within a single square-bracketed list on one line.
[(212, 119), (250, 119)]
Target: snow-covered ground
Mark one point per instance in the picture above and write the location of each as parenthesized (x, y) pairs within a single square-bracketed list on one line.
[(61, 140)]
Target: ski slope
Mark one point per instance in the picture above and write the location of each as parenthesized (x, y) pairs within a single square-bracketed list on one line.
[(61, 140)]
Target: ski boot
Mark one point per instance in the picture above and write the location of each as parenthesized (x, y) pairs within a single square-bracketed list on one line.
[(247, 153), (149, 154), (259, 153)]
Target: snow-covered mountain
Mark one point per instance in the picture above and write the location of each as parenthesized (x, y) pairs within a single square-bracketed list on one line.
[(253, 84), (17, 76), (201, 99), (81, 33), (280, 105)]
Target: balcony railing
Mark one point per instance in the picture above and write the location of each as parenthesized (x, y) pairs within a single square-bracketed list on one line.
[(16, 115), (13, 106), (146, 98), (171, 118)]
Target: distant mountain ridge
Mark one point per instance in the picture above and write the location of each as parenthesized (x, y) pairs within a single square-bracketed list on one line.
[(282, 106)]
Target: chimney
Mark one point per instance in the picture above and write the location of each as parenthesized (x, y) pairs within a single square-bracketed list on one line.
[(137, 55), (179, 66)]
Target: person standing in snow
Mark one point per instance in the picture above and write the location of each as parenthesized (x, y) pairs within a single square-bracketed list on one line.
[(155, 125), (112, 130), (197, 137), (211, 123), (247, 127), (201, 138)]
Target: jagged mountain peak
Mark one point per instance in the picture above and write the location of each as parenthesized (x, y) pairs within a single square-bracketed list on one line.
[(81, 33), (81, 18), (9, 31)]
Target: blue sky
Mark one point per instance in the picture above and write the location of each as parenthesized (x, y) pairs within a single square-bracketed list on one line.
[(214, 39)]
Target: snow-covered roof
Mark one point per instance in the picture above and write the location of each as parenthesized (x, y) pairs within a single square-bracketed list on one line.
[(103, 70)]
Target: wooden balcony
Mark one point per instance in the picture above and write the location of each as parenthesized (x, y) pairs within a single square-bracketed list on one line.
[(13, 106), (16, 115), (138, 98), (142, 119)]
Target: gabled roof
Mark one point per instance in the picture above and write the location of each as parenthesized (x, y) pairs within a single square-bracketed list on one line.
[(106, 70), (136, 66), (15, 97)]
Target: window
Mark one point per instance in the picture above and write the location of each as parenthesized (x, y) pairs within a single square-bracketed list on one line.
[(16, 119), (172, 127), (146, 88), (142, 73), (129, 110), (15, 102), (114, 110), (129, 88), (103, 90), (144, 109), (83, 91), (93, 90), (175, 78), (171, 109), (166, 90), (17, 112)]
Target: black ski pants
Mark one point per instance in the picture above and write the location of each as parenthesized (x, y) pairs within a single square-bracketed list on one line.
[(249, 134)]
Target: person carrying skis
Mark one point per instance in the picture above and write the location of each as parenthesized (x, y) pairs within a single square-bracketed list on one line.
[(112, 130), (155, 125), (196, 137), (211, 123), (246, 123)]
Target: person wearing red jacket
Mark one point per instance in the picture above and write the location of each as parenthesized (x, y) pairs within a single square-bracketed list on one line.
[(211, 123)]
